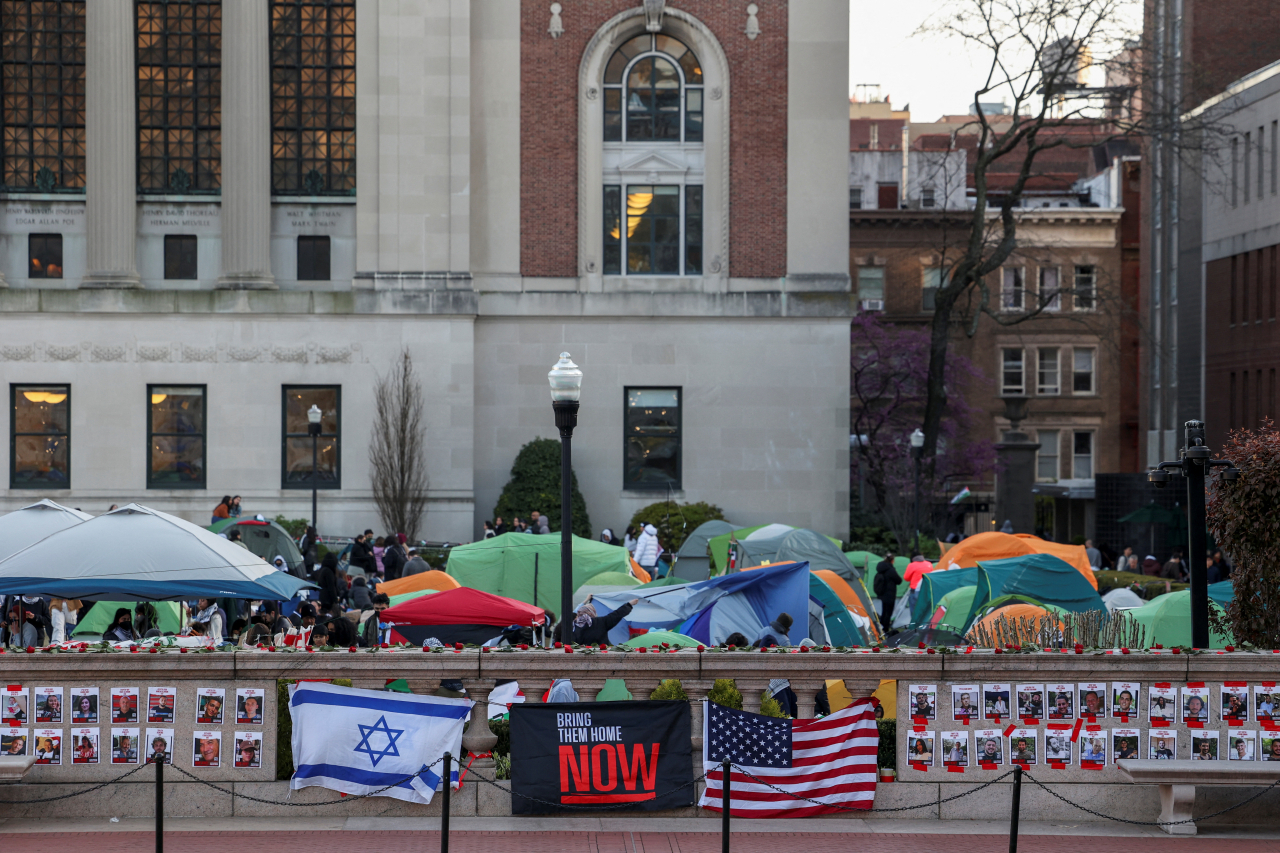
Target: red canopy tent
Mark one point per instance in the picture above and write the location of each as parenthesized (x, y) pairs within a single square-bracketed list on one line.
[(460, 615)]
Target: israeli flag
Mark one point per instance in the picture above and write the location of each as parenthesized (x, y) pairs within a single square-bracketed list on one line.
[(358, 741)]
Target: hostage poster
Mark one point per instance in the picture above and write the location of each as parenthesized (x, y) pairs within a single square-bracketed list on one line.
[(575, 757)]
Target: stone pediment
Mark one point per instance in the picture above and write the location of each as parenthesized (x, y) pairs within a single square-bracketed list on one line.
[(653, 167)]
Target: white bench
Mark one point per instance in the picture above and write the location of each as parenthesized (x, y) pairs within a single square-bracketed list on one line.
[(14, 767), (1178, 780)]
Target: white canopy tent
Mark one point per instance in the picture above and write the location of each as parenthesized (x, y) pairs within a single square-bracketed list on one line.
[(27, 526)]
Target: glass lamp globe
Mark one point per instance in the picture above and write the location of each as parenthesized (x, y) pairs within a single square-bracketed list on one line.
[(313, 414), (566, 381)]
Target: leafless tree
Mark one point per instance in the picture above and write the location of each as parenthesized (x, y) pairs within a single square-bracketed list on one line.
[(397, 449)]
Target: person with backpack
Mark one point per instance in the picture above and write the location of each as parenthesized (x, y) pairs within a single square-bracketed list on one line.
[(885, 587)]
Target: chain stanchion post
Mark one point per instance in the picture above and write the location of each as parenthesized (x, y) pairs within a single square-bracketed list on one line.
[(159, 806), (724, 806), (1017, 802), (444, 812)]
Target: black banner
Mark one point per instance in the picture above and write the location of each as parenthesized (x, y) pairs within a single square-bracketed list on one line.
[(579, 756)]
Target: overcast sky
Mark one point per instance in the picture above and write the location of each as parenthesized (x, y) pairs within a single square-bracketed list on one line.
[(927, 73)]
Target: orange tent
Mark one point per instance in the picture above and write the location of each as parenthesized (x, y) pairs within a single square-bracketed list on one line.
[(1013, 612), (641, 574), (843, 591), (433, 579), (996, 546)]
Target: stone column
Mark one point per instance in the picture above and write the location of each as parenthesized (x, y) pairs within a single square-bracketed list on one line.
[(588, 690), (246, 146), (111, 138), (696, 691), (478, 737), (806, 697), (752, 691)]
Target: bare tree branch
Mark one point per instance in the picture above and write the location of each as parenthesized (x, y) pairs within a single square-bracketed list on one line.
[(397, 448)]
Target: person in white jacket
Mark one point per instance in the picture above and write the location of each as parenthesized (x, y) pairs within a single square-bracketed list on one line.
[(647, 548)]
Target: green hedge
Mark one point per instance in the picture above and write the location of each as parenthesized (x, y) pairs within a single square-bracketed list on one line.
[(887, 755)]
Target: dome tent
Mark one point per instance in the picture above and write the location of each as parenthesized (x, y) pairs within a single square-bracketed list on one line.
[(31, 523), (460, 616), (693, 562), (1041, 577), (266, 539)]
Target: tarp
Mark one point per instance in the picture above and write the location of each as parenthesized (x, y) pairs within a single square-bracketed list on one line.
[(433, 579), (99, 617), (741, 601), (140, 554), (505, 565), (657, 638), (464, 607), (266, 539), (934, 586), (1042, 577), (994, 545), (1167, 619), (27, 526)]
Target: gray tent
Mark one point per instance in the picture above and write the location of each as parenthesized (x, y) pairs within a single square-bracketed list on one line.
[(816, 549), (692, 562), (27, 526)]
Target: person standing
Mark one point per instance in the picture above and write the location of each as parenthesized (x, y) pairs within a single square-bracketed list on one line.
[(535, 522), (362, 555), (629, 540), (393, 558), (1211, 572), (499, 526), (647, 549), (885, 586), (327, 580), (489, 532), (416, 565), (1174, 570), (916, 570), (1094, 555), (309, 547)]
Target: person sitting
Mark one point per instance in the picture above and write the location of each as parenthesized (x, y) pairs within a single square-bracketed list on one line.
[(736, 640), (370, 634), (775, 633), (121, 630), (590, 629)]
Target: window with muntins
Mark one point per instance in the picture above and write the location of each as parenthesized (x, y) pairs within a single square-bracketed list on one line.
[(1048, 381), (44, 256), (296, 452), (871, 288), (1082, 374), (313, 97), (176, 436), (39, 436), (1048, 454), (42, 63), (1012, 372), (662, 234), (180, 96), (1086, 287), (653, 91), (652, 440), (1082, 456), (1013, 288)]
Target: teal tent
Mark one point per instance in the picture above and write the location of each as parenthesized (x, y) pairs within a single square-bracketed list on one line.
[(657, 638), (693, 560), (1222, 593), (934, 586), (1043, 578), (841, 626)]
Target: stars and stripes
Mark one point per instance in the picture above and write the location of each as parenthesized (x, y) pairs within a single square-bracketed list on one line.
[(831, 760)]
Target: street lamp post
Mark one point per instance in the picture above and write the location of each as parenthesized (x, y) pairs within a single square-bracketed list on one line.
[(566, 390), (1194, 464), (313, 429), (917, 450)]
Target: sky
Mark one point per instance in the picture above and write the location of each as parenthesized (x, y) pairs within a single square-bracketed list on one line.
[(928, 73)]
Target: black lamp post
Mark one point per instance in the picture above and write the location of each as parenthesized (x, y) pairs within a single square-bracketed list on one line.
[(917, 450), (566, 390), (313, 430), (1194, 464)]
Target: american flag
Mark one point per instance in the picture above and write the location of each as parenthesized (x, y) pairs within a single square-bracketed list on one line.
[(831, 760)]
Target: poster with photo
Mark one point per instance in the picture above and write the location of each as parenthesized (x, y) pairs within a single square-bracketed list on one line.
[(124, 705), (1126, 743), (1195, 705), (1024, 746), (1093, 701), (84, 705), (48, 704), (159, 745), (160, 704), (249, 704), (924, 701), (1234, 709), (1058, 748), (1270, 746), (1124, 700), (964, 702), (84, 746), (13, 741), (1162, 744), (1062, 701), (995, 701), (209, 702), (988, 744), (920, 748), (13, 705), (1204, 746), (1162, 705), (206, 749), (1266, 701), (124, 744), (47, 745), (248, 749), (1241, 745), (1030, 701), (955, 749), (1093, 748)]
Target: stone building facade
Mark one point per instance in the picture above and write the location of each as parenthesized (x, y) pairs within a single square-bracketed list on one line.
[(218, 214)]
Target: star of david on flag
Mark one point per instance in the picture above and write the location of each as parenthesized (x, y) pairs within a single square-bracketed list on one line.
[(360, 741)]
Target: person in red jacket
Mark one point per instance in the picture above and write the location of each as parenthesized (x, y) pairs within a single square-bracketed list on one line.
[(916, 569)]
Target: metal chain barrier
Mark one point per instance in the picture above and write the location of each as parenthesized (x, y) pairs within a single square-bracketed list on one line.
[(795, 796), (1148, 822), (345, 799), (85, 791)]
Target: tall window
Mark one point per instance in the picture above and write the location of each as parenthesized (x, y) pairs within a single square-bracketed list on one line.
[(1012, 372), (663, 233), (175, 437), (871, 288), (1013, 287), (40, 436), (42, 65), (1048, 379), (1086, 287), (313, 97), (180, 96), (652, 438), (296, 455), (855, 198), (1047, 456), (1082, 372), (653, 91), (1082, 455), (1050, 286)]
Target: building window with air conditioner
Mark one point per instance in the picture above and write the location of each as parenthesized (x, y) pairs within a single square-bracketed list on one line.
[(871, 288)]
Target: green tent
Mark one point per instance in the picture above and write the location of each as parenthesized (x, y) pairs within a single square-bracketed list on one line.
[(719, 546), (934, 586), (841, 625), (958, 604), (614, 690), (866, 562), (99, 617), (1043, 578), (410, 596), (514, 564), (654, 638), (602, 583), (1167, 619)]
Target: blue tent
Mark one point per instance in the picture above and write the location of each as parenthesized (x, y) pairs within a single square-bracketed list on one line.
[(1222, 593), (715, 608)]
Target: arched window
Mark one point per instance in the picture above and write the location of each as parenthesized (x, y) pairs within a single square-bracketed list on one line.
[(653, 92)]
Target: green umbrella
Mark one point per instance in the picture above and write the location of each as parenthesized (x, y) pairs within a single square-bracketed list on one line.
[(1152, 513), (671, 638), (1167, 619), (99, 617)]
